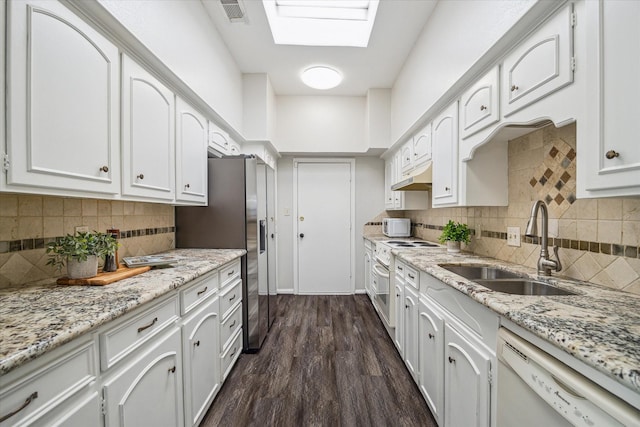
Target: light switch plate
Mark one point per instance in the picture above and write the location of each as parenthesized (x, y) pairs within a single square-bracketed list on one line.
[(513, 236)]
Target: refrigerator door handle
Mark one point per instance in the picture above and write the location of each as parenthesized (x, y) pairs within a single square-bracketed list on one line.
[(263, 236)]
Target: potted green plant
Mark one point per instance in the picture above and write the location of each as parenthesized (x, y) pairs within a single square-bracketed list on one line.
[(80, 253), (453, 233)]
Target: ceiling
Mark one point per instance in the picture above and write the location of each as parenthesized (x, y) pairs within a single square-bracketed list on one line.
[(398, 24)]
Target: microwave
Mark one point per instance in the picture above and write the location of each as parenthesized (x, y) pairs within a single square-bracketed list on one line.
[(396, 227)]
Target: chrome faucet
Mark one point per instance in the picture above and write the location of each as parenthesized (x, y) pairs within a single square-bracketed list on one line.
[(545, 265)]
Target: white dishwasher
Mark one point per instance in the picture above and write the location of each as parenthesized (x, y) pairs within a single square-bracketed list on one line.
[(535, 389)]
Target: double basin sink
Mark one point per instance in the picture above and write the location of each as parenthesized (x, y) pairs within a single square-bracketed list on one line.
[(504, 281)]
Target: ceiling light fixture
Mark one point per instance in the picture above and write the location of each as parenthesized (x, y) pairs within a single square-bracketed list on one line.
[(321, 77)]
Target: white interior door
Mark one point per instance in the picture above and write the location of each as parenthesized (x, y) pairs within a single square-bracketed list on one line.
[(324, 237)]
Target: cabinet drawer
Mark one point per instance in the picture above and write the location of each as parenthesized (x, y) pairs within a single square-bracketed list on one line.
[(122, 339), (411, 277), (400, 269), (43, 389), (229, 273), (229, 327), (230, 297), (231, 355), (198, 292)]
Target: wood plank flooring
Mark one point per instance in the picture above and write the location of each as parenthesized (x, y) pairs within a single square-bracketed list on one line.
[(327, 361)]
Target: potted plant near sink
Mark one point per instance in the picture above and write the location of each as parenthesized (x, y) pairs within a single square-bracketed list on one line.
[(80, 253), (453, 233)]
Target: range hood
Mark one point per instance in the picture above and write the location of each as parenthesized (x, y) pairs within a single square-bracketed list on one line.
[(420, 180)]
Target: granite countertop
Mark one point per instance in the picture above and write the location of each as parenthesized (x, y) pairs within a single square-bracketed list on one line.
[(599, 326), (37, 319)]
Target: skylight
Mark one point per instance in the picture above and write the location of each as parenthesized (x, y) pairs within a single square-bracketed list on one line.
[(321, 22)]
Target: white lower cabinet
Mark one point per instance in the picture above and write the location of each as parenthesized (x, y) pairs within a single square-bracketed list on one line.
[(466, 381), (431, 343), (200, 346), (81, 411), (399, 332), (148, 389), (410, 310)]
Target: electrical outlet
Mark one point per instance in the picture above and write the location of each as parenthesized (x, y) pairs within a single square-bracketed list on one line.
[(513, 236), (81, 229)]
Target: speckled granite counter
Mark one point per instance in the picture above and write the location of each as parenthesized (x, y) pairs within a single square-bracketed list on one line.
[(600, 326), (37, 319)]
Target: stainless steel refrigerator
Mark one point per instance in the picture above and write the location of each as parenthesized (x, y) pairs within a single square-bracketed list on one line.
[(236, 218)]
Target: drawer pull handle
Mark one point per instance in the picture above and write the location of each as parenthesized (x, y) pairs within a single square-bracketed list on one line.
[(153, 322), (231, 273), (172, 370), (431, 336), (452, 360), (411, 276), (104, 169), (203, 291), (232, 324), (140, 177), (399, 268), (612, 154), (233, 297), (233, 353), (196, 344), (26, 403)]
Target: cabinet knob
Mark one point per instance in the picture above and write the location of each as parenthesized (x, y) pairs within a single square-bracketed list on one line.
[(431, 336), (452, 360), (187, 186), (301, 235), (406, 306), (141, 176), (196, 344), (447, 188), (611, 154), (482, 108), (104, 169), (172, 370), (514, 88)]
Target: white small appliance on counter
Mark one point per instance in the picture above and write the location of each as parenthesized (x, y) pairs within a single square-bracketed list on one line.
[(396, 227)]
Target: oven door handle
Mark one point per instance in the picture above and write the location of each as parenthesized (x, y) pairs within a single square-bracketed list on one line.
[(380, 272)]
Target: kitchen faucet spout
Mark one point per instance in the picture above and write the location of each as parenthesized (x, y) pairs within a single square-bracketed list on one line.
[(545, 265)]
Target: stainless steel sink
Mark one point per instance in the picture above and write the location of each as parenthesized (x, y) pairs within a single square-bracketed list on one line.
[(475, 272), (504, 281), (522, 287)]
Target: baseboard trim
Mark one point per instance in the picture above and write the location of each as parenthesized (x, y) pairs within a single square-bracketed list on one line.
[(285, 292)]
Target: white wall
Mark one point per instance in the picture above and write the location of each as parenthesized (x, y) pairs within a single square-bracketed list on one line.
[(259, 113), (456, 35), (369, 176), (181, 35), (320, 124), (378, 118)]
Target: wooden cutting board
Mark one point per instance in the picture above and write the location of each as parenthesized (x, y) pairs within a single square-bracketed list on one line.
[(105, 278)]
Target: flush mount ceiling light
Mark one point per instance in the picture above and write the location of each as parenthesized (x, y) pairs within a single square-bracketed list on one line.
[(321, 77), (321, 22)]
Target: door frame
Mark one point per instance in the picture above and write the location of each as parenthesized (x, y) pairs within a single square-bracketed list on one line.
[(352, 249)]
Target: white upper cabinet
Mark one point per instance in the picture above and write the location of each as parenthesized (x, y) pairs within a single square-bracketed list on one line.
[(445, 157), (422, 146), (406, 159), (609, 153), (219, 140), (388, 181), (191, 154), (540, 65), (479, 105), (148, 136), (62, 93)]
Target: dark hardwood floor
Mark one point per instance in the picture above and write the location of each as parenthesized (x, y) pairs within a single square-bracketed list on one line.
[(327, 361)]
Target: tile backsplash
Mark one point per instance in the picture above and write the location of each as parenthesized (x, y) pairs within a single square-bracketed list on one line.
[(28, 222), (599, 238)]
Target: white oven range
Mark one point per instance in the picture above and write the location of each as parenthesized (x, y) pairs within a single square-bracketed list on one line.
[(383, 266)]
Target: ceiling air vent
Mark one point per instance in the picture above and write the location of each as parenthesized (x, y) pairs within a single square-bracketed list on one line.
[(234, 10)]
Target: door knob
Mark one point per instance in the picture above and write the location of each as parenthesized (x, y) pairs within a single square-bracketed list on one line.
[(301, 235)]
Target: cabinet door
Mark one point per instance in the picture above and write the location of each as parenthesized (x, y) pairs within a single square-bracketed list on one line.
[(540, 65), (148, 137), (466, 377), (479, 106), (191, 154), (445, 157), (406, 159), (388, 181), (431, 353), (219, 140), (411, 331), (422, 146), (612, 157), (148, 391), (399, 317), (398, 196), (201, 362), (63, 101), (367, 272)]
